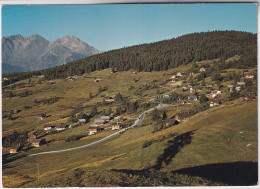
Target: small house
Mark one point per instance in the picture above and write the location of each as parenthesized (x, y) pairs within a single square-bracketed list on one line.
[(169, 122), (105, 118), (14, 149), (214, 102), (250, 97), (42, 116), (82, 121), (51, 82), (182, 116), (180, 101), (230, 87), (35, 142), (249, 75), (98, 122), (47, 127), (193, 98), (217, 92), (115, 126), (211, 95), (109, 99), (209, 85), (31, 137), (60, 127), (185, 111), (202, 69), (179, 74), (185, 87), (92, 130), (239, 85)]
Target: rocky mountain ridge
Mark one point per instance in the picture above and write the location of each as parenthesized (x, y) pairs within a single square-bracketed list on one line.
[(35, 53)]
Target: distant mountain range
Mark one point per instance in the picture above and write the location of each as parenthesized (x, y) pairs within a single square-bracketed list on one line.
[(35, 53)]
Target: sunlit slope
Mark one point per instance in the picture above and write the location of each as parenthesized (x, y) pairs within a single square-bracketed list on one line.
[(227, 134)]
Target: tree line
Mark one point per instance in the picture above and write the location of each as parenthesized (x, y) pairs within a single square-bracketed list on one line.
[(160, 55)]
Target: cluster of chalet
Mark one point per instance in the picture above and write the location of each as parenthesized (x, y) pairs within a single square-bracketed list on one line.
[(72, 77), (33, 140), (184, 114), (58, 127), (95, 127), (238, 87), (214, 94), (174, 78)]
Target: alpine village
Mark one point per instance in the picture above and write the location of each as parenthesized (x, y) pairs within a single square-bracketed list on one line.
[(178, 112)]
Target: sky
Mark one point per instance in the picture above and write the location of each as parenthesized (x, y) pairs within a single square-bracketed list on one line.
[(108, 27)]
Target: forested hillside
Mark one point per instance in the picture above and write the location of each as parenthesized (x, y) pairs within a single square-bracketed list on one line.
[(161, 55)]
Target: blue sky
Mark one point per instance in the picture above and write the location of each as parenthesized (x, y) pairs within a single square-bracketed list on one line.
[(109, 27)]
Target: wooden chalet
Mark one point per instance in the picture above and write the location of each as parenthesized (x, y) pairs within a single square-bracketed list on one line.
[(249, 75), (179, 74), (169, 122), (35, 142), (42, 116), (239, 85), (182, 116), (14, 149), (115, 126), (214, 102), (185, 111), (193, 98), (31, 136), (98, 122), (60, 127), (109, 99), (250, 97), (209, 85), (180, 101), (47, 127), (93, 130), (105, 118), (202, 69), (82, 121), (230, 87), (211, 95)]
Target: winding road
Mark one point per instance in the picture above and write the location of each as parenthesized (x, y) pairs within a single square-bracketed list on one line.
[(137, 122)]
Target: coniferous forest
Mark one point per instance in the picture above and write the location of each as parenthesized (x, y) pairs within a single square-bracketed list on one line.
[(161, 55)]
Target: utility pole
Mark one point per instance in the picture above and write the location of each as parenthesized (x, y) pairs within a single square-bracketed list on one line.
[(38, 171)]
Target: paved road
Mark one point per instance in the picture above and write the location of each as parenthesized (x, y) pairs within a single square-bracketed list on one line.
[(137, 122)]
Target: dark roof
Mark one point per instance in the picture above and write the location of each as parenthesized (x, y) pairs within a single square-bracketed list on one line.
[(35, 140), (48, 125), (185, 110), (214, 101), (183, 115), (61, 125), (91, 127), (170, 121), (15, 147)]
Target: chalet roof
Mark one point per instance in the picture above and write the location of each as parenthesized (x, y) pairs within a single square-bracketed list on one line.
[(48, 125), (32, 134), (61, 125), (230, 86), (241, 83), (104, 117), (185, 110), (16, 147), (183, 115), (214, 101), (35, 141), (170, 121), (192, 97), (82, 120), (99, 121)]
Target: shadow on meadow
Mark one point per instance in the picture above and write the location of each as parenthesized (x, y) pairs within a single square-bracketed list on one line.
[(234, 174)]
